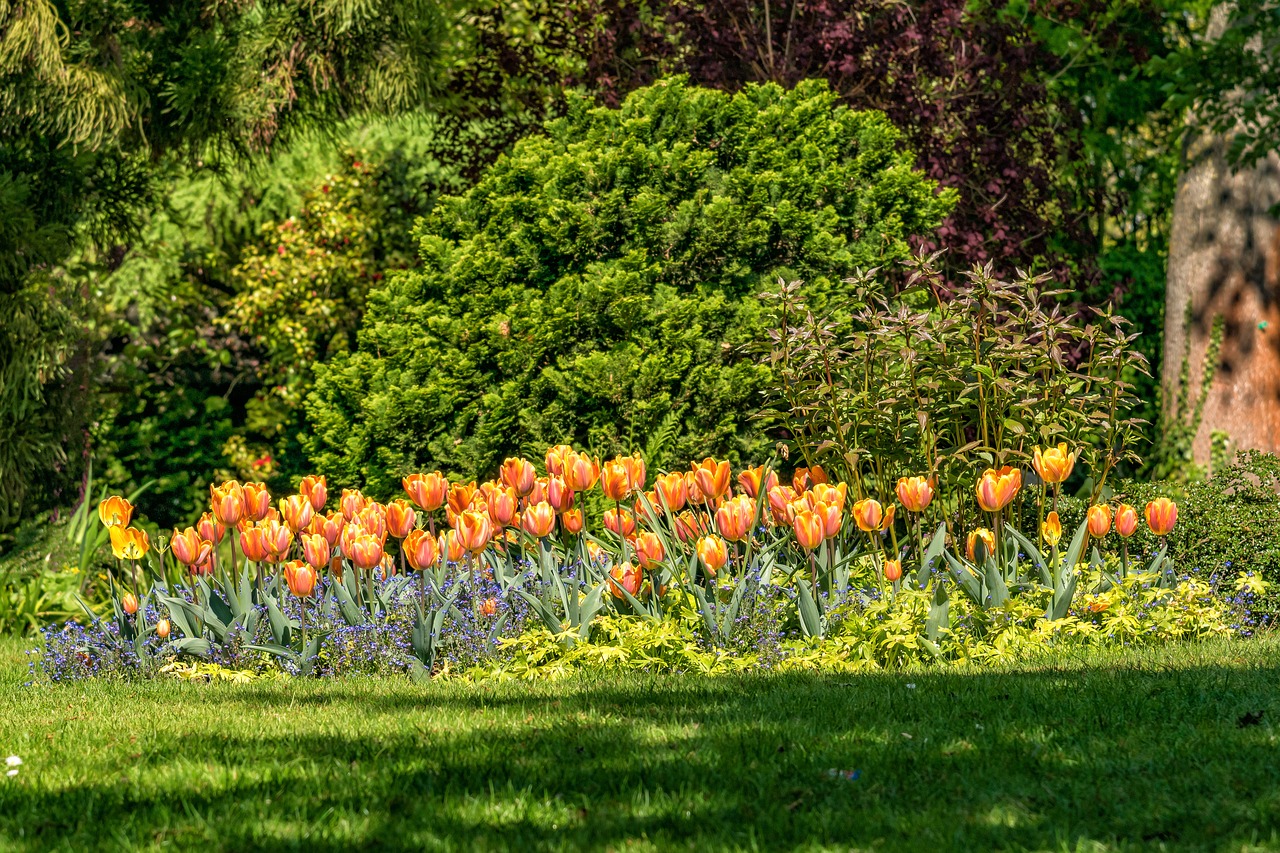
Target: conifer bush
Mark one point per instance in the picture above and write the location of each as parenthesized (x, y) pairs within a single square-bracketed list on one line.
[(597, 285)]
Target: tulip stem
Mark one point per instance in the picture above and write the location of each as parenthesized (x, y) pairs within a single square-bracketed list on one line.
[(235, 570), (1124, 558), (133, 578), (617, 508), (302, 616)]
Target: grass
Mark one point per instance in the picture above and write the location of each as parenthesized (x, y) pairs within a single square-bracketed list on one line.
[(1142, 750)]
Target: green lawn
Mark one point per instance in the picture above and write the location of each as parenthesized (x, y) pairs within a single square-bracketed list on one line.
[(1149, 750)]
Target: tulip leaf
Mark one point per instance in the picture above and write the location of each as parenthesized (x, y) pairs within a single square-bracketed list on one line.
[(181, 612), (708, 612), (931, 554), (591, 605), (191, 646), (273, 649), (351, 613), (1075, 549), (997, 590), (966, 577), (939, 612), (279, 624), (810, 617), (1037, 559)]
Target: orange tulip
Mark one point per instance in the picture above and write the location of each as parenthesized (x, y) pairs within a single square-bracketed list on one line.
[(257, 502), (253, 544), (557, 458), (210, 529), (649, 550), (805, 478), (373, 519), (489, 607), (809, 529), (986, 537), (1051, 529), (450, 548), (201, 569), (780, 500), (227, 502), (996, 489), (581, 471), (888, 518), (868, 514), (892, 570), (129, 543), (735, 518), (474, 530), (502, 505), (315, 550), (916, 493), (833, 518), (400, 518), (115, 511), (1099, 520), (188, 547), (163, 628), (625, 577), (301, 578), (827, 494), (352, 503), (129, 603), (755, 480), (672, 491), (539, 520), (713, 553), (1053, 465), (686, 527), (296, 511), (637, 476), (277, 538), (1162, 515), (572, 521), (366, 551), (428, 491), (316, 490), (559, 495), (421, 550), (695, 495), (1126, 521), (518, 474), (615, 481), (329, 526), (460, 496), (712, 478), (620, 523)]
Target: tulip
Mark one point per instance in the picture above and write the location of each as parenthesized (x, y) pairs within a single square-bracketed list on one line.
[(672, 491), (539, 520), (615, 481), (809, 529), (833, 518), (400, 518), (1051, 529), (868, 514), (828, 494), (227, 502), (620, 522), (502, 506), (915, 493), (489, 607), (888, 518), (301, 578), (695, 495), (277, 537), (637, 476), (163, 628), (756, 480), (556, 459), (428, 491), (421, 549), (1099, 520), (296, 511), (686, 527), (373, 519), (257, 502), (892, 570), (539, 493), (366, 551), (646, 507), (202, 569), (780, 500), (649, 550), (735, 518), (460, 496), (315, 550), (995, 489), (625, 577), (713, 553), (572, 521), (188, 547), (129, 603), (1053, 465), (1162, 515), (474, 530), (253, 544), (518, 474), (559, 495), (316, 490), (986, 537), (450, 548), (711, 478), (115, 511), (1126, 521), (329, 526), (210, 529), (581, 471), (129, 543), (804, 478)]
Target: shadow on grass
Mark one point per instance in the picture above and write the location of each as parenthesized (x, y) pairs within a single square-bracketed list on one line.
[(1184, 757)]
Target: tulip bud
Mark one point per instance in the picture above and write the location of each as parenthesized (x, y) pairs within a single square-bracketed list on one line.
[(129, 603), (996, 489), (1099, 520), (625, 577), (316, 491), (489, 607), (1051, 529), (868, 514), (892, 570), (615, 481), (572, 521), (162, 629), (1126, 521), (400, 518), (300, 577), (1162, 515), (713, 553), (984, 538), (257, 502), (915, 493)]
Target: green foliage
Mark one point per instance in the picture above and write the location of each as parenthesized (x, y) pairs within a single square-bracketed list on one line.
[(601, 278), (40, 577)]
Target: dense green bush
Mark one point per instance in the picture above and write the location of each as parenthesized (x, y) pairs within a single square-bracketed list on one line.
[(597, 285)]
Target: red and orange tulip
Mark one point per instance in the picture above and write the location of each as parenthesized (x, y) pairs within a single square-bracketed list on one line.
[(489, 607), (277, 537), (805, 478), (915, 493), (754, 481), (556, 459), (539, 520), (502, 504), (892, 570), (129, 603), (620, 522), (735, 518), (296, 510), (301, 578), (572, 521), (1053, 465), (996, 489), (1099, 520), (188, 547), (253, 544), (115, 511), (636, 473), (129, 543), (351, 503), (988, 540), (809, 529), (686, 526), (209, 529), (1126, 521), (518, 474), (400, 518), (581, 471), (713, 552), (450, 547), (712, 479), (474, 530), (833, 518), (366, 551), (626, 577), (649, 550), (672, 491), (428, 491), (869, 515), (421, 550), (227, 502), (257, 502), (315, 550), (1050, 529), (559, 495), (316, 490), (1162, 515), (615, 481)]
